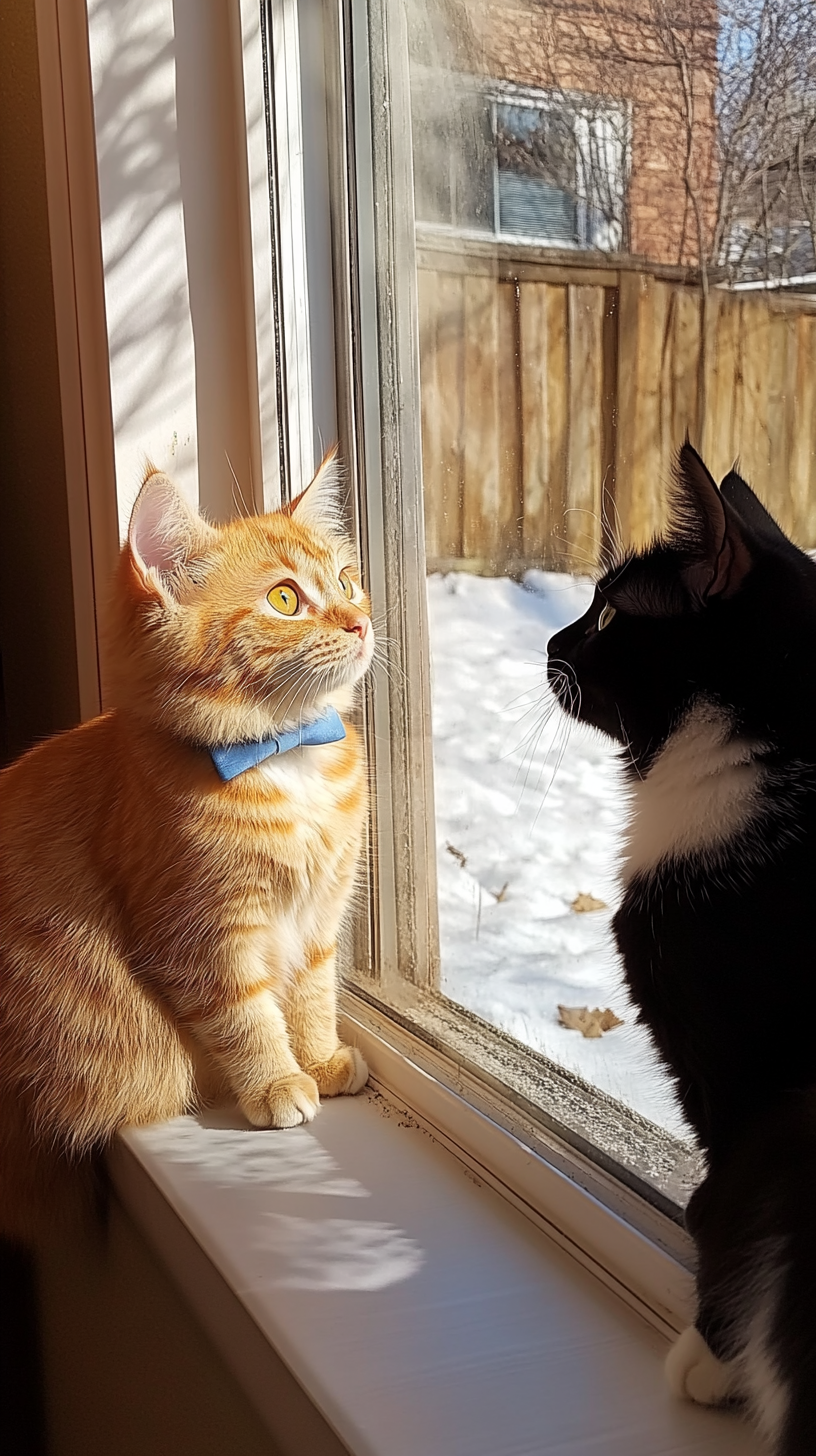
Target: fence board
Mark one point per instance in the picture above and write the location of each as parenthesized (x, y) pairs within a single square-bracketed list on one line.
[(654, 451), (643, 462), (441, 328), (582, 525), (611, 541), (779, 417), (755, 360), (803, 434), (544, 374), (723, 393), (481, 434), (630, 290), (510, 514), (684, 356)]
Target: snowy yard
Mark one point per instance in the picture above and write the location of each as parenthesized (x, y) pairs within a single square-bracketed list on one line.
[(529, 811)]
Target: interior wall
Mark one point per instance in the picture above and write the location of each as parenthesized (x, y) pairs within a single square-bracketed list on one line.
[(37, 639), (166, 113), (128, 1369)]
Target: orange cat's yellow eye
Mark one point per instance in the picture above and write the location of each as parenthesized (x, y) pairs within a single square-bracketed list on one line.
[(284, 599), (347, 584)]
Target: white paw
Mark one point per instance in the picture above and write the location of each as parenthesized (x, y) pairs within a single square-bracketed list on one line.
[(694, 1373)]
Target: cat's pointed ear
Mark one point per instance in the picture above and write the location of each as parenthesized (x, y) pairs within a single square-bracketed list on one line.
[(166, 535), (320, 504), (706, 529), (740, 498)]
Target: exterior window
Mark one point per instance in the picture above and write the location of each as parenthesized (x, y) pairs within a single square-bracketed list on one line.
[(559, 173), (544, 167)]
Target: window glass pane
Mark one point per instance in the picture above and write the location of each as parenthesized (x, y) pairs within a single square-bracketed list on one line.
[(537, 164), (614, 213)]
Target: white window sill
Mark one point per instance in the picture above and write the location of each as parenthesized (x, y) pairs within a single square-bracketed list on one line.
[(421, 1313)]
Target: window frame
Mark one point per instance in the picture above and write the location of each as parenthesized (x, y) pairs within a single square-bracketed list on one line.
[(409, 1034), (583, 112), (583, 115), (371, 329)]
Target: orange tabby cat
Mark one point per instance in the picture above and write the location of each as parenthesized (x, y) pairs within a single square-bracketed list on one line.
[(166, 934)]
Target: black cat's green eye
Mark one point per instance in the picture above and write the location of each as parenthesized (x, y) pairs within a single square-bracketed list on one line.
[(607, 613)]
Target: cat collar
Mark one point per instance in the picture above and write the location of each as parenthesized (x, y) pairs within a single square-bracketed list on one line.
[(232, 759)]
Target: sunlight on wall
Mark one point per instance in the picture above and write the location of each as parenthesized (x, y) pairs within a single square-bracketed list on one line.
[(175, 292)]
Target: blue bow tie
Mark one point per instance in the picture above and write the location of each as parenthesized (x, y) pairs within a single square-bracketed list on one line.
[(232, 759)]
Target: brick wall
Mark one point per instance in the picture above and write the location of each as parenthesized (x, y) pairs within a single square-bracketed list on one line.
[(620, 50)]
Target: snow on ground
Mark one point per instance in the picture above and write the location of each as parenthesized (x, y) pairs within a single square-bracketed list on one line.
[(535, 804)]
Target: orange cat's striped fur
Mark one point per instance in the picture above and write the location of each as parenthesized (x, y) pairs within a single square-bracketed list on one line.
[(166, 936)]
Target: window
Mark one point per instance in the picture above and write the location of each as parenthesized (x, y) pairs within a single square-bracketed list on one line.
[(766, 110), (508, 411), (517, 251), (560, 170), (519, 163), (504, 409)]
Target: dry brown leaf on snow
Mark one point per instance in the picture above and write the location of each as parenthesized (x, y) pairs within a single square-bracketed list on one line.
[(582, 903), (590, 1023), (460, 858)]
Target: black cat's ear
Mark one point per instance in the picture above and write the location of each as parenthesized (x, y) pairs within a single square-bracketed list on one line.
[(706, 531), (740, 498)]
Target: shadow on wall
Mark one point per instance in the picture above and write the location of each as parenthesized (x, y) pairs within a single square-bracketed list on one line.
[(22, 1412)]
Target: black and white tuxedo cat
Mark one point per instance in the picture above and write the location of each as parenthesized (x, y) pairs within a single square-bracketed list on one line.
[(698, 655)]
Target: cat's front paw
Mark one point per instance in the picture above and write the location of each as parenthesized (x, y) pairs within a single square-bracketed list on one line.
[(342, 1075), (693, 1372), (285, 1103)]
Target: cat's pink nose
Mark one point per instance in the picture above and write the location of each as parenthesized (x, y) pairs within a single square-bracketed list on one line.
[(360, 626)]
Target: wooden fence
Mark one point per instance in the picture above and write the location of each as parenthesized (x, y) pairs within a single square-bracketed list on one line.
[(554, 396)]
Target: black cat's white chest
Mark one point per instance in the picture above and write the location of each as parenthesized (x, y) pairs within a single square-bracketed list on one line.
[(702, 791)]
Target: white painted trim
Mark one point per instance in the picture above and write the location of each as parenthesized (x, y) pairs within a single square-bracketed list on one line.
[(645, 1276), (314, 89), (262, 361), (771, 285), (284, 44)]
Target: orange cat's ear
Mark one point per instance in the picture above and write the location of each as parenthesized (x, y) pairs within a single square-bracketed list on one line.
[(165, 534), (320, 504)]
